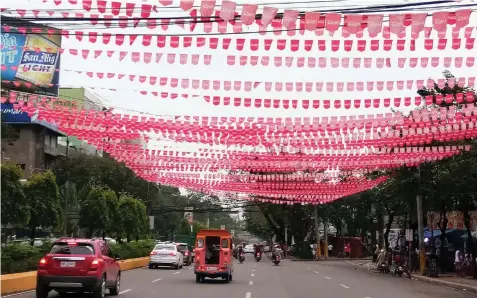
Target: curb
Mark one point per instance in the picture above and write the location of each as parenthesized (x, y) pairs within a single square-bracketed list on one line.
[(26, 281), (449, 284), (435, 281)]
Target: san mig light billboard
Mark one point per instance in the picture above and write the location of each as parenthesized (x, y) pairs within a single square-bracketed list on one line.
[(29, 61)]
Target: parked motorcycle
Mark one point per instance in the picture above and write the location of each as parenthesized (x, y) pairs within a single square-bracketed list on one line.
[(241, 257), (276, 261), (383, 267), (258, 257)]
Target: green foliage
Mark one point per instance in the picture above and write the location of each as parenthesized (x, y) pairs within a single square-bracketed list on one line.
[(21, 258), (14, 203), (94, 212), (86, 171), (183, 228), (134, 219), (43, 197), (133, 249)]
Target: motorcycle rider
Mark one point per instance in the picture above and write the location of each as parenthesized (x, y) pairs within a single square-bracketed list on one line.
[(275, 252), (239, 251), (258, 250)]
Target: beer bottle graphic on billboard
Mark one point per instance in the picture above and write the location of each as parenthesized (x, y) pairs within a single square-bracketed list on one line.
[(38, 61)]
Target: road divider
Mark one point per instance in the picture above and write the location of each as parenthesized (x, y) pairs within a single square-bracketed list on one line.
[(25, 281)]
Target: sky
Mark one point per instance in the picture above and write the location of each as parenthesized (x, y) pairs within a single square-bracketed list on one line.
[(132, 102)]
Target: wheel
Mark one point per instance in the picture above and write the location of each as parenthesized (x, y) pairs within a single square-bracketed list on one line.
[(42, 292), (198, 278), (151, 266), (230, 277), (227, 278), (117, 286), (100, 291), (176, 266)]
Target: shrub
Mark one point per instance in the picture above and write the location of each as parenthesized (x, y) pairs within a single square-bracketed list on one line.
[(22, 258)]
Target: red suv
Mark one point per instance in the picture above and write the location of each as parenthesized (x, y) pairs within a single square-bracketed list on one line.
[(79, 265)]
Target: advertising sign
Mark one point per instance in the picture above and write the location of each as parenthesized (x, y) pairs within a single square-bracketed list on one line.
[(30, 61), (10, 115), (189, 214)]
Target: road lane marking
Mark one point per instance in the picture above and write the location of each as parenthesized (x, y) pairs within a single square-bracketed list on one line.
[(250, 282), (344, 286), (157, 279), (125, 291), (248, 295), (315, 271), (177, 272), (252, 274), (16, 294), (327, 277)]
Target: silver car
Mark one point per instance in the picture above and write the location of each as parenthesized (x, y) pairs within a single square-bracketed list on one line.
[(165, 255)]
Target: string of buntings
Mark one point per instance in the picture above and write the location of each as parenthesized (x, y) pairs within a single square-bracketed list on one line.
[(282, 160), (309, 21)]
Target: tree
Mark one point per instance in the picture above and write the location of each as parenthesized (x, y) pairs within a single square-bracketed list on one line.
[(14, 203), (94, 213), (134, 220), (43, 197), (183, 228)]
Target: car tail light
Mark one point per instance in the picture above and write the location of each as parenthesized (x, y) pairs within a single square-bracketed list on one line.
[(172, 253), (42, 263), (186, 253), (153, 253), (95, 264)]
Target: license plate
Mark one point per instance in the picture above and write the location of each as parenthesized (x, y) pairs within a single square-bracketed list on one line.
[(68, 264), (211, 268)]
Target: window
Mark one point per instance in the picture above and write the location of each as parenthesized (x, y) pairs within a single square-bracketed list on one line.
[(105, 249), (47, 139), (182, 247), (200, 243), (164, 247), (22, 166), (72, 249), (53, 141), (225, 243)]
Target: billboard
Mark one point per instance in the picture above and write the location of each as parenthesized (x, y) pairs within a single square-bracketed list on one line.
[(30, 61), (10, 115)]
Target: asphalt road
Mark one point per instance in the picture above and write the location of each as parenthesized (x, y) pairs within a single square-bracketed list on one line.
[(337, 279)]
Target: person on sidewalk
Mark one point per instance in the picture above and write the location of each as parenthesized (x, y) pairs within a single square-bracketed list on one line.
[(330, 249), (347, 250), (458, 263)]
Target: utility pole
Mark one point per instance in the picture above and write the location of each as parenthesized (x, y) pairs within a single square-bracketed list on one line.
[(325, 236), (67, 193), (420, 224), (317, 232)]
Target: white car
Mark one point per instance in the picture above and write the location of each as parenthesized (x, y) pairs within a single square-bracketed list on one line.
[(248, 249), (165, 255)]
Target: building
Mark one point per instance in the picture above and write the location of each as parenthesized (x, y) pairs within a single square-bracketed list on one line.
[(35, 147), (81, 98)]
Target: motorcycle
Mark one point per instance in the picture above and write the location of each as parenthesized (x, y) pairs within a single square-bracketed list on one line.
[(258, 257), (383, 267), (241, 257), (276, 261), (396, 269)]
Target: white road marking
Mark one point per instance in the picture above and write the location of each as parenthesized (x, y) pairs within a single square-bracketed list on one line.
[(248, 295), (157, 279), (327, 277), (250, 282), (125, 291), (252, 274), (315, 271), (346, 287), (16, 294), (177, 272)]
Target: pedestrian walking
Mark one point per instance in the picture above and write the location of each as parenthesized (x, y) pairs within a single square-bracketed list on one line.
[(347, 250)]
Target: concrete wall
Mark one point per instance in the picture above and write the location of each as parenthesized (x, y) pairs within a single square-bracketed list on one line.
[(29, 149)]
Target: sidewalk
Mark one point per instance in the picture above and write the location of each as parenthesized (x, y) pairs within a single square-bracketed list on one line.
[(448, 280)]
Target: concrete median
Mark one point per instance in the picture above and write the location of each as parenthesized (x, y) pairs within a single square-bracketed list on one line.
[(26, 281)]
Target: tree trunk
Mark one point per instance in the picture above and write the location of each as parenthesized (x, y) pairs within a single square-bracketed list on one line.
[(388, 228), (32, 235), (443, 227), (103, 234), (470, 243)]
